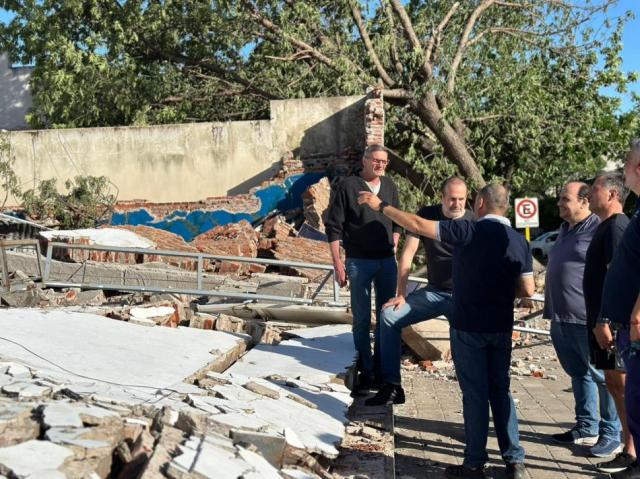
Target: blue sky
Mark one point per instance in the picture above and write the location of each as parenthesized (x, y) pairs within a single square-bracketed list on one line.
[(631, 39)]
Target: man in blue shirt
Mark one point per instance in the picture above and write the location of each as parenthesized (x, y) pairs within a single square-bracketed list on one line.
[(621, 306), (597, 424), (491, 266)]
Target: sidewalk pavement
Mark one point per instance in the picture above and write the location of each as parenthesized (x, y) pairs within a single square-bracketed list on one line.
[(429, 433)]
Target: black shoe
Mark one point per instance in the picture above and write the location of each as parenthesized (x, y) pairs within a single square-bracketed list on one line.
[(363, 386), (575, 436), (516, 471), (631, 472), (464, 472), (388, 394), (617, 464)]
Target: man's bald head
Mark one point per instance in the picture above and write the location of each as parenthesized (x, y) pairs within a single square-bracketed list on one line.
[(494, 198)]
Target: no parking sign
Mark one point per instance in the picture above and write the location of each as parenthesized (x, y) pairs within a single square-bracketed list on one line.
[(527, 213)]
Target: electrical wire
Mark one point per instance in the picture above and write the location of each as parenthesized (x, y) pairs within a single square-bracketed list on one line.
[(157, 389)]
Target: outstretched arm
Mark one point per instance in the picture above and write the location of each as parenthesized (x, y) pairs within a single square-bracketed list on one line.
[(413, 223)]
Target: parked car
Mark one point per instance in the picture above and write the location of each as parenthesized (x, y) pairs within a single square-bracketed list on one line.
[(541, 245)]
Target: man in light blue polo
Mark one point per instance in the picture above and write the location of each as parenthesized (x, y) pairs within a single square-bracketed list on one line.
[(597, 424)]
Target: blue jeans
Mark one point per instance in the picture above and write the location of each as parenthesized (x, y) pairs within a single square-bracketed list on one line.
[(362, 273), (424, 303), (632, 385), (571, 342), (482, 363)]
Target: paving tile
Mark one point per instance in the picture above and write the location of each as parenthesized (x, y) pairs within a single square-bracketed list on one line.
[(429, 433)]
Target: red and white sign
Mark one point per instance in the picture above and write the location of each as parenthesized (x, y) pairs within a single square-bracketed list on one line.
[(527, 213)]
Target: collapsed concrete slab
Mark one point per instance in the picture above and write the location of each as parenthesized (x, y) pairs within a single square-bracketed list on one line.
[(90, 352), (100, 375), (100, 236), (160, 276), (315, 355), (34, 459)]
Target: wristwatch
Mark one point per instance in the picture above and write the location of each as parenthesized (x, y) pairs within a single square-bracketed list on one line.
[(383, 205), (602, 320)]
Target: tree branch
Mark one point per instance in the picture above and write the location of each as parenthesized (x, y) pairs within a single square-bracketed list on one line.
[(395, 58), (457, 59), (357, 17), (269, 25), (411, 35), (435, 36), (397, 93)]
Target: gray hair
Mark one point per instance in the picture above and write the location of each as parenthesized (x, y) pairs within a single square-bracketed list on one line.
[(371, 149), (495, 197), (614, 180)]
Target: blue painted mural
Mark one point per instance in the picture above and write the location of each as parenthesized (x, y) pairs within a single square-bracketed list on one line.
[(189, 224)]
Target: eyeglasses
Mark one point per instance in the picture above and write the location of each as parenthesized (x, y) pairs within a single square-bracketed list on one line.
[(379, 162)]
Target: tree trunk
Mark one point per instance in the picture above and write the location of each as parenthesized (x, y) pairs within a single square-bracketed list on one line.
[(454, 146)]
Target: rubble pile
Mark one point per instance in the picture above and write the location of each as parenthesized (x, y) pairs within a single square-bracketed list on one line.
[(83, 396), (276, 238)]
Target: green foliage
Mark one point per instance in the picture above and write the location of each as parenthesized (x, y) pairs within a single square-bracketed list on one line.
[(523, 93), (8, 180), (87, 203)]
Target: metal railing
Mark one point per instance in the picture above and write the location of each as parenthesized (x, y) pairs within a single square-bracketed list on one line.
[(200, 274)]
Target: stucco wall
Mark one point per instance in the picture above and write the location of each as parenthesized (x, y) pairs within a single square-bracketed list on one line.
[(15, 97), (191, 162)]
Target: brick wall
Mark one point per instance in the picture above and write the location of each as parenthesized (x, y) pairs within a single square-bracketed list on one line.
[(374, 117)]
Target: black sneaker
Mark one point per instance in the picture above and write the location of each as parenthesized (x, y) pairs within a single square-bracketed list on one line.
[(617, 464), (464, 472), (631, 472), (575, 436), (388, 394), (516, 471)]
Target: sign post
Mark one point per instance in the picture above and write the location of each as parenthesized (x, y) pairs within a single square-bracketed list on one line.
[(527, 215)]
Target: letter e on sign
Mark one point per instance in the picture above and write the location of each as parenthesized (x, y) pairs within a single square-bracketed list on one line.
[(527, 213)]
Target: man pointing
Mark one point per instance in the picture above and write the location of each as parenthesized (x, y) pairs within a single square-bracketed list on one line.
[(492, 265)]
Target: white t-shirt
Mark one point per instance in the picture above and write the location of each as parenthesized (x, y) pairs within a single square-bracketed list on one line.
[(375, 189)]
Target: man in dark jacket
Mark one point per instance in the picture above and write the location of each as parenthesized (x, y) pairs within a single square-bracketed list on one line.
[(370, 240)]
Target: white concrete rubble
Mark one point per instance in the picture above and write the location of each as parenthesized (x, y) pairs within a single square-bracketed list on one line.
[(33, 459), (102, 237), (316, 356), (96, 355)]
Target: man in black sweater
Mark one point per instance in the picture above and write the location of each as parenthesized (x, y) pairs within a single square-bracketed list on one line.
[(370, 240)]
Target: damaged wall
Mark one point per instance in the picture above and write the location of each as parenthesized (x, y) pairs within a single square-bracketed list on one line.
[(191, 162)]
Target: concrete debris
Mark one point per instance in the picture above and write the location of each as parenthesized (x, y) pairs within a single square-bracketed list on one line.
[(277, 227), (119, 401), (17, 423), (234, 239), (429, 340), (34, 459), (315, 202), (298, 249)]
